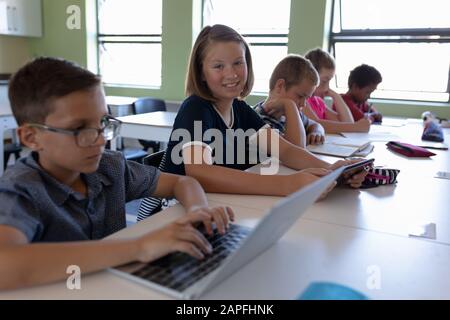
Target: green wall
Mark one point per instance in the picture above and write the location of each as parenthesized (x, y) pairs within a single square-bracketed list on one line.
[(308, 26), (13, 53), (58, 40)]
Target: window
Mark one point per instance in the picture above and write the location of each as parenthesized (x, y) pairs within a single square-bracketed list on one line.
[(264, 25), (408, 41), (129, 42)]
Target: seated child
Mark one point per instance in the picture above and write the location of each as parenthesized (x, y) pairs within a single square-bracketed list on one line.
[(293, 80), (215, 132), (362, 81), (337, 121), (69, 193)]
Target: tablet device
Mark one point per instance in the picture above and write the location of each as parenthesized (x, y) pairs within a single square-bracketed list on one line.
[(353, 169)]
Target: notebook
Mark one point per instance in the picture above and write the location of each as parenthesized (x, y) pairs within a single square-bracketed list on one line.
[(339, 146), (181, 276)]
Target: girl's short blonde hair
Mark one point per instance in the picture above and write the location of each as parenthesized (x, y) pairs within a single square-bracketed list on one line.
[(293, 69), (210, 34), (320, 59)]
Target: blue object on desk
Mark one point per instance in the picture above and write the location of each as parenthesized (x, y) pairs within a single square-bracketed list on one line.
[(330, 291), (433, 132)]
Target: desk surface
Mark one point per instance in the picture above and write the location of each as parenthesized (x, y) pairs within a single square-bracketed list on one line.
[(348, 238), (310, 251), (157, 119), (417, 197), (119, 100)]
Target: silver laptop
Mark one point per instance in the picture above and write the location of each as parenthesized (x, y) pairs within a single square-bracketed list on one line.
[(182, 276)]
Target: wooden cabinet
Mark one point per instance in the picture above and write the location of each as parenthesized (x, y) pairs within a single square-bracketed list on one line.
[(21, 18)]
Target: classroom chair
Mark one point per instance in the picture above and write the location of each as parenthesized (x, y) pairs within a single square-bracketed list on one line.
[(146, 105), (8, 150), (150, 206), (135, 154)]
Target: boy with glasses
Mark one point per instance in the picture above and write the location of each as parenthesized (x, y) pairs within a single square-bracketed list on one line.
[(69, 193)]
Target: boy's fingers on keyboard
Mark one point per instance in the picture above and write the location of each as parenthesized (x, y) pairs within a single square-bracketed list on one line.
[(218, 218), (190, 249), (195, 216), (207, 222), (193, 236), (224, 214), (204, 215), (230, 213)]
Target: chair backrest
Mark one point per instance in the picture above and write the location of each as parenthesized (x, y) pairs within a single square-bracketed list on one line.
[(154, 159), (145, 105)]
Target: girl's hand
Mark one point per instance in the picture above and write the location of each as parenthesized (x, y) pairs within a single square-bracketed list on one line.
[(356, 180)]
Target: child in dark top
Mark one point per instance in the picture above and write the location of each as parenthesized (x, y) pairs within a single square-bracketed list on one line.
[(57, 203), (204, 142), (362, 81)]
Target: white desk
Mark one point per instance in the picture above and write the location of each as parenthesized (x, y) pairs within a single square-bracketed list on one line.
[(393, 209), (148, 126), (310, 251)]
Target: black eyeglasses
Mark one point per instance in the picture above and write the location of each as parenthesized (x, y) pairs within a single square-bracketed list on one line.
[(87, 137)]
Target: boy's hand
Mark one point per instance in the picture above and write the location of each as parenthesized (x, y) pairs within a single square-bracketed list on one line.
[(315, 138), (180, 235), (277, 107), (221, 216)]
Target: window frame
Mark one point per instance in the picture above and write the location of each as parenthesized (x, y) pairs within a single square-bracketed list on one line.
[(251, 36), (407, 35), (134, 39)]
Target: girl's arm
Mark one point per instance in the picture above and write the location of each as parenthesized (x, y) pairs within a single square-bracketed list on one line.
[(362, 125), (185, 189), (290, 155), (215, 178), (342, 113)]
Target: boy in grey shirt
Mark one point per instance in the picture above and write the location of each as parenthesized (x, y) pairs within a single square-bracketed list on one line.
[(292, 81), (69, 189)]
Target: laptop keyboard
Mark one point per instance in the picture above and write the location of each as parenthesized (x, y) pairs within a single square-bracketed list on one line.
[(178, 270)]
